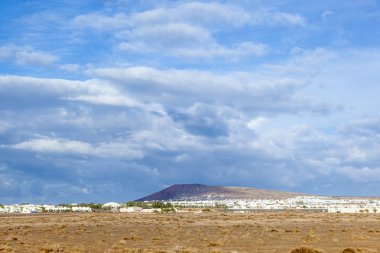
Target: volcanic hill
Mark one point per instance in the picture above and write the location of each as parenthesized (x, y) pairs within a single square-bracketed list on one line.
[(202, 192)]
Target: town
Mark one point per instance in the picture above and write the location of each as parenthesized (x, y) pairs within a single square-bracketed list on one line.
[(299, 203)]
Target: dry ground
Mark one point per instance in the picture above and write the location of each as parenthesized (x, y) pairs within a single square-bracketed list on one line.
[(189, 232)]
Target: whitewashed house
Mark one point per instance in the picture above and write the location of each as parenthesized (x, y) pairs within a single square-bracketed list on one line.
[(130, 209), (84, 209)]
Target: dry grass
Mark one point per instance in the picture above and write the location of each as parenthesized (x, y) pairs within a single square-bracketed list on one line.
[(190, 232)]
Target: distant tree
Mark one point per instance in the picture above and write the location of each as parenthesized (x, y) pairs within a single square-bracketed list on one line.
[(144, 205), (91, 205), (95, 206), (150, 205), (64, 205), (220, 205), (106, 208), (167, 210)]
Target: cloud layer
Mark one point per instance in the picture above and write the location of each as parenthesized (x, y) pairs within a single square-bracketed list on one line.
[(115, 100)]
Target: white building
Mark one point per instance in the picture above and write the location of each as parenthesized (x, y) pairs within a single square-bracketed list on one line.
[(130, 209), (81, 209)]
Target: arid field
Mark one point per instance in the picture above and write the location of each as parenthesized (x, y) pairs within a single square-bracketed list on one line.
[(190, 232)]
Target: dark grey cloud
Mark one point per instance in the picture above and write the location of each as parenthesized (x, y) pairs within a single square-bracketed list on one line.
[(204, 120)]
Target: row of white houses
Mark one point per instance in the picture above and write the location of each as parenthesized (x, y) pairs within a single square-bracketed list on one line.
[(31, 208), (301, 203)]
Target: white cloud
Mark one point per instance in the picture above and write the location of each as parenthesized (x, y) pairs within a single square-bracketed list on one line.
[(204, 14), (7, 182), (106, 99), (215, 15), (287, 19), (254, 124), (326, 14), (144, 169), (361, 174), (101, 22), (4, 126), (91, 91), (364, 127), (207, 14), (166, 91), (182, 158), (168, 35), (187, 30), (54, 146), (32, 57), (198, 13), (304, 62), (27, 56), (270, 89), (188, 41), (197, 112), (59, 86), (6, 52), (119, 148), (70, 67), (324, 166), (356, 154), (233, 53), (63, 146)]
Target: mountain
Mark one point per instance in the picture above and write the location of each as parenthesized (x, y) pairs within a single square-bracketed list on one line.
[(202, 192)]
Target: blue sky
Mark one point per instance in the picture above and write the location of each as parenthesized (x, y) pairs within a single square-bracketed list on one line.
[(112, 100)]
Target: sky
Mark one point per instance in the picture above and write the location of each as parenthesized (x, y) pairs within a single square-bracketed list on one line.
[(111, 100)]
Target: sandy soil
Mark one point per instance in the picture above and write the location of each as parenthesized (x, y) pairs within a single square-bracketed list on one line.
[(189, 232)]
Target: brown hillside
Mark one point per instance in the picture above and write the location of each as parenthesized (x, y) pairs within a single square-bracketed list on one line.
[(199, 191)]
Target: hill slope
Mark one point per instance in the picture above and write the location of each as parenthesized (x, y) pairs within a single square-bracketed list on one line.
[(199, 191)]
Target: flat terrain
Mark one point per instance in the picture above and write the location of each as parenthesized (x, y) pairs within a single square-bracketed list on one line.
[(189, 232)]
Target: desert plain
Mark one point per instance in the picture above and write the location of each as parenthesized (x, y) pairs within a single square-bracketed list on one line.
[(190, 232)]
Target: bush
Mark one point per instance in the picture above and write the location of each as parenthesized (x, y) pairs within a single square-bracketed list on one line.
[(167, 210), (351, 250), (305, 250)]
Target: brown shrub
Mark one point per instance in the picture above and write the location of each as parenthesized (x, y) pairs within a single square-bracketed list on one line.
[(351, 250), (46, 250), (305, 250)]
